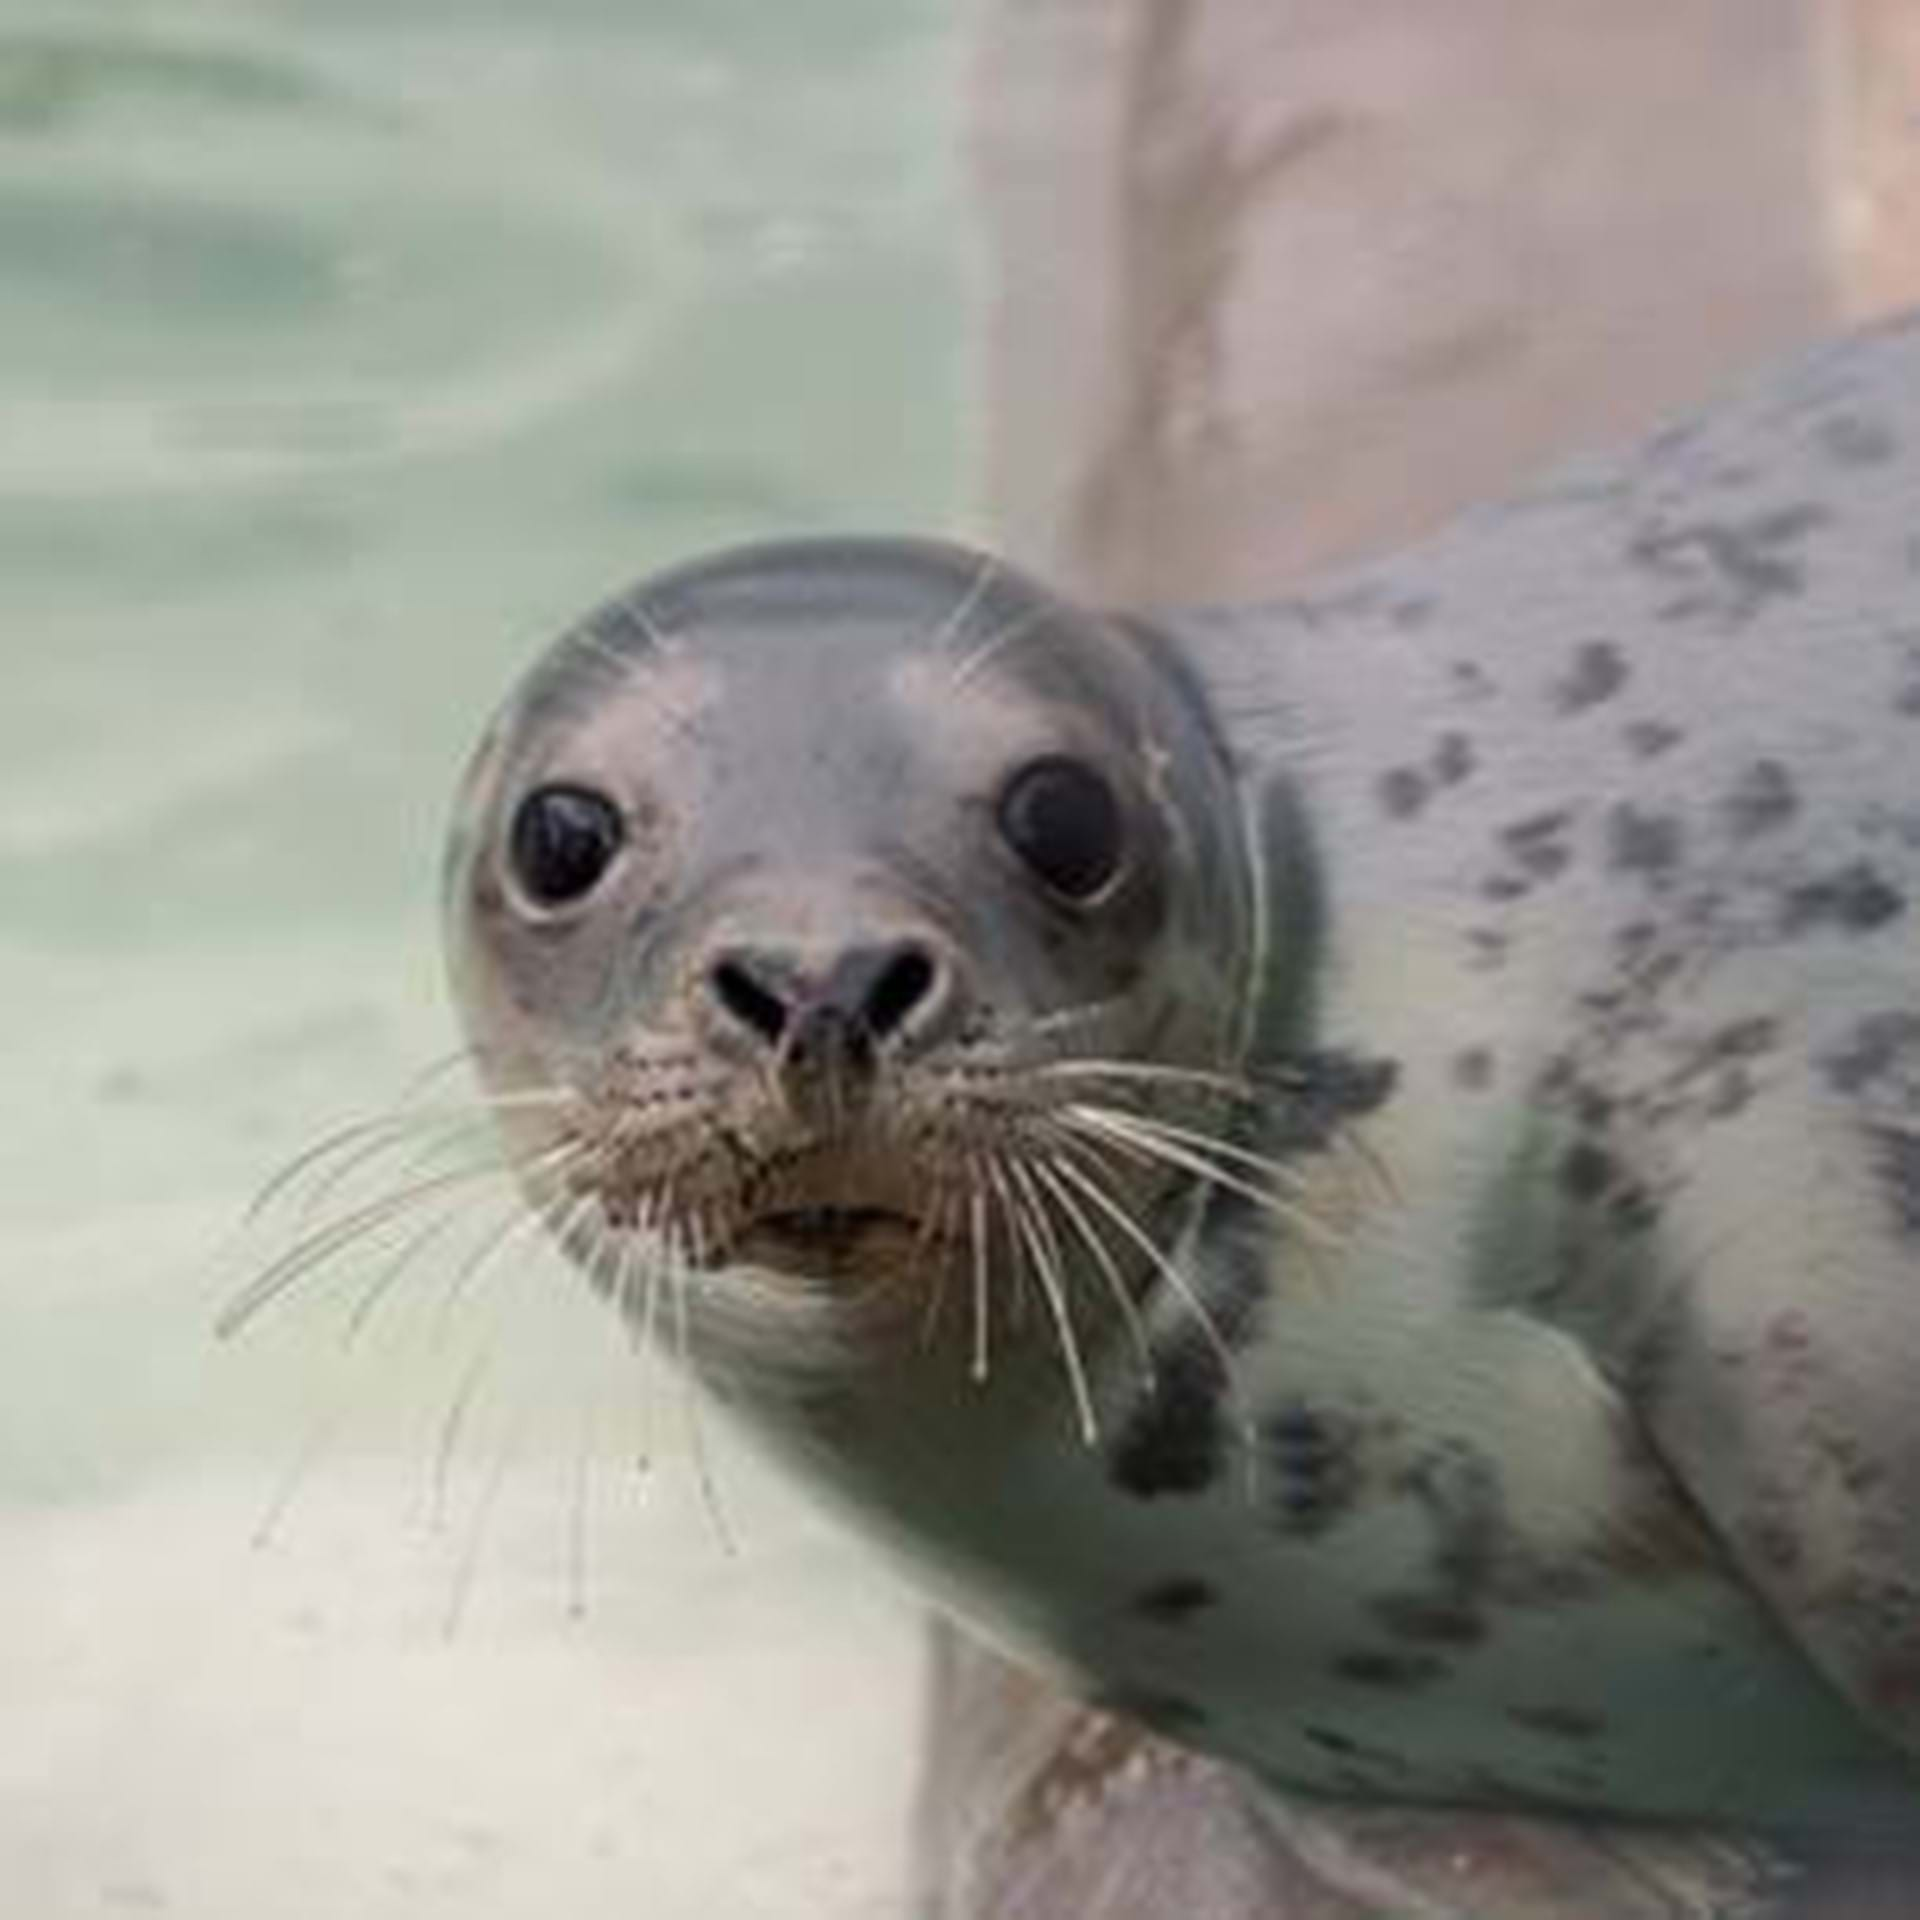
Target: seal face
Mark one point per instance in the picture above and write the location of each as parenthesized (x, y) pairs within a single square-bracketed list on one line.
[(810, 886)]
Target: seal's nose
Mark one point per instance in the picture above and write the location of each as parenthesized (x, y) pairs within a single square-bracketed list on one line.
[(861, 1000)]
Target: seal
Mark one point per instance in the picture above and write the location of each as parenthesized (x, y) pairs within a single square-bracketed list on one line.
[(1342, 1176)]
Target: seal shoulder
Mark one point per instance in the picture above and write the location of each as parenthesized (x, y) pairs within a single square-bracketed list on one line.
[(1615, 834)]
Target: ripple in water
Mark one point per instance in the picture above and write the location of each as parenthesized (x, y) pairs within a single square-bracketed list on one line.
[(222, 267)]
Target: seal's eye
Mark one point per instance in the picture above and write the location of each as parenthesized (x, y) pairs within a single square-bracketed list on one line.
[(1062, 819), (563, 839)]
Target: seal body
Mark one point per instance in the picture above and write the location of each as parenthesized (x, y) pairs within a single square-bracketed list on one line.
[(1344, 1175)]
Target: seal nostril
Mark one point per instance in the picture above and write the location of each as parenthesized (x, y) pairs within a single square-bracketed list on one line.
[(753, 1005), (904, 981)]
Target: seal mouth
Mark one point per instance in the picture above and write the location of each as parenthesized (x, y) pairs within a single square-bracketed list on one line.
[(834, 1190), (828, 1222), (831, 1241)]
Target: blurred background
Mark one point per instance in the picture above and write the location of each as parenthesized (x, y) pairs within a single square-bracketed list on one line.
[(348, 347), (345, 351)]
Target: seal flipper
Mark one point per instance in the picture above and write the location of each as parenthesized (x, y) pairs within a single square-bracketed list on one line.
[(1034, 1807), (1785, 1387)]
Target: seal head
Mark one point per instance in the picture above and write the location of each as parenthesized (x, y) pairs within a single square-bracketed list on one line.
[(799, 1000)]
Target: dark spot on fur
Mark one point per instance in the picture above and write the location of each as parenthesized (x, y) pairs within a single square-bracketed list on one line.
[(1321, 1092), (1176, 1600), (1470, 680), (1743, 1039), (1429, 1619), (1730, 1093), (1376, 1765), (1642, 842), (1330, 1740), (1586, 1171), (1598, 672), (1460, 1490), (1175, 1440), (1472, 1069), (1855, 899), (1730, 568), (1896, 1154), (1634, 1210), (1761, 799), (1403, 792), (1538, 843), (1453, 759), (1878, 1045), (1649, 738), (1487, 948), (1855, 441), (1388, 1669), (1312, 1461), (1561, 1723)]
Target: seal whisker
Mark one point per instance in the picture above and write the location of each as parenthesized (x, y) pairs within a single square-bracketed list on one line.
[(588, 642), (316, 1248), (388, 1277), (579, 1518), (420, 1154), (447, 1439), (569, 1219), (680, 1252), (1202, 1079), (437, 1070), (523, 1220), (1003, 636), (1148, 1144), (635, 1292), (935, 1218), (383, 1127), (1284, 1175), (1051, 1270), (394, 1127), (1372, 1163), (955, 622), (1177, 1282), (1016, 1244), (478, 1530), (1254, 1090), (1044, 1171), (650, 1268), (977, 1236), (313, 1446), (1082, 1014), (631, 609)]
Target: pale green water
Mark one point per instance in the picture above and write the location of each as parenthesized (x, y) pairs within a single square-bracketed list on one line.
[(344, 349)]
